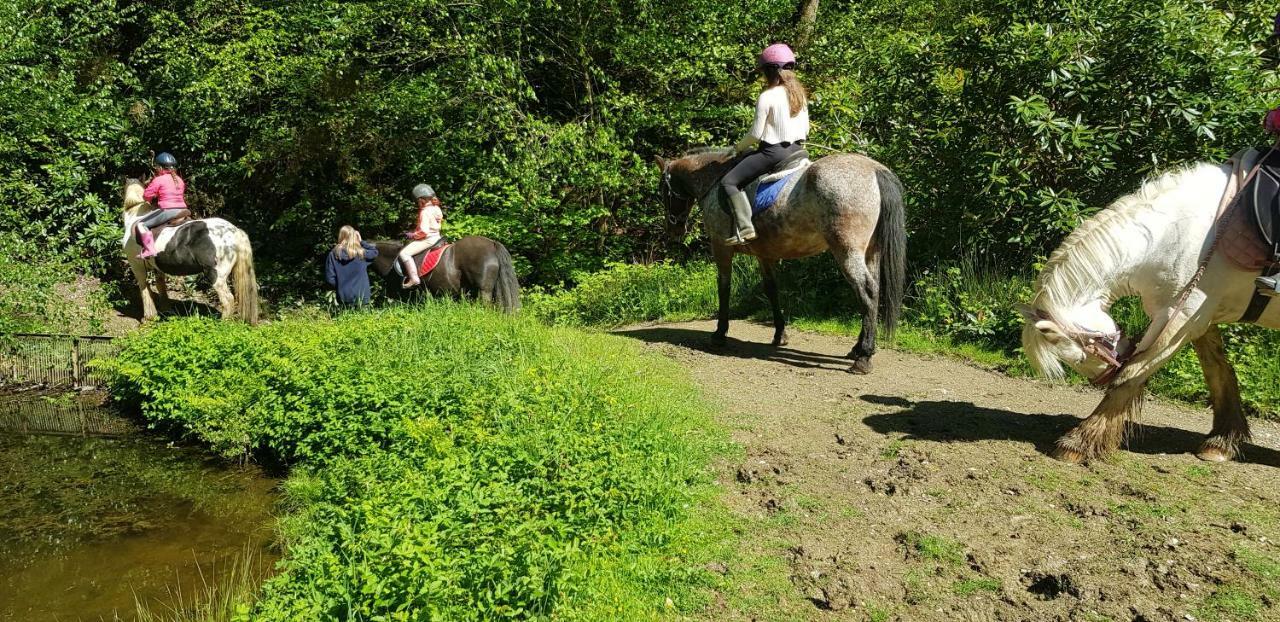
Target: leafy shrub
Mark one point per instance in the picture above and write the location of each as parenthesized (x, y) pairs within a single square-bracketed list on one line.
[(449, 462), (630, 293), (970, 302), (42, 294)]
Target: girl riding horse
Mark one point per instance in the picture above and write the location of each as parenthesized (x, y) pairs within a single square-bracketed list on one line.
[(780, 128), (166, 191)]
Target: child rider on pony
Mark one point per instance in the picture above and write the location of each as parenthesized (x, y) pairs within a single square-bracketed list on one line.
[(426, 234), (166, 192)]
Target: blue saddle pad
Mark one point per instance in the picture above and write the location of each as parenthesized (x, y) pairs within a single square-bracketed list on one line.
[(767, 194)]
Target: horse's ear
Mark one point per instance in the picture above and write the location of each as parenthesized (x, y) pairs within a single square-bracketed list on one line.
[(1050, 331), (661, 162)]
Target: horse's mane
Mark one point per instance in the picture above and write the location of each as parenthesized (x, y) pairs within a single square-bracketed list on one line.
[(1075, 267), (133, 194), (720, 151)]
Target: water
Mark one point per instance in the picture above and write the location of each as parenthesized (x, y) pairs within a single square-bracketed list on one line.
[(91, 526)]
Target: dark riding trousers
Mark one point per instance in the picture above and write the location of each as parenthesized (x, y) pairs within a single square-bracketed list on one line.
[(757, 163)]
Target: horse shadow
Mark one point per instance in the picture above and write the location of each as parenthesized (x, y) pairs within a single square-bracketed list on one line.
[(965, 422), (735, 348)]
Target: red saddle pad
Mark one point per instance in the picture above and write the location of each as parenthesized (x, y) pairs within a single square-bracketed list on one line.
[(430, 260)]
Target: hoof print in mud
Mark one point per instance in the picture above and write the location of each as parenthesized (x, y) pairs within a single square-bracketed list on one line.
[(911, 467), (1049, 586)]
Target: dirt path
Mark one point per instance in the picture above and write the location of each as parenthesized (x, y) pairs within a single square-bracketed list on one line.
[(924, 492)]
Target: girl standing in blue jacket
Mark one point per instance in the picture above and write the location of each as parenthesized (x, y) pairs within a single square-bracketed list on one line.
[(346, 267)]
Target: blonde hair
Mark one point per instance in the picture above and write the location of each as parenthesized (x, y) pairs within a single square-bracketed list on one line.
[(349, 240)]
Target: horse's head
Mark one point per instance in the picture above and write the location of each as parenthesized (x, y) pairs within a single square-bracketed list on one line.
[(1089, 342), (685, 180), (132, 195)]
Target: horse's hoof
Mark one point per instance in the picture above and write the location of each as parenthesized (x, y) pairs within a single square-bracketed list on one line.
[(1069, 456), (1213, 453), (860, 367), (780, 340)]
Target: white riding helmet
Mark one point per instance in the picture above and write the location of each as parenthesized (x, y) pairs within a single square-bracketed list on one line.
[(423, 191)]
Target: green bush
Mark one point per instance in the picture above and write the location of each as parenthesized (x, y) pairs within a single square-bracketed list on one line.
[(631, 293), (970, 302), (41, 294), (448, 462)]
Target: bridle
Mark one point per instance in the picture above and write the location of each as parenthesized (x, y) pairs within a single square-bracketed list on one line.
[(667, 192), (1103, 345)]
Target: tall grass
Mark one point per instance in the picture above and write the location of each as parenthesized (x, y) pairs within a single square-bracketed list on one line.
[(224, 594)]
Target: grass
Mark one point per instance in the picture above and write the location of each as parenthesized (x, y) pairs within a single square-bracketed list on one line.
[(939, 549), (224, 595), (965, 310), (1230, 603), (969, 587), (451, 462)]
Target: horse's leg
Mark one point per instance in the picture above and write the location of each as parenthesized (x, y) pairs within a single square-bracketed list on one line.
[(1102, 432), (768, 274), (226, 302), (1229, 424), (724, 282), (144, 290), (162, 289), (866, 285)]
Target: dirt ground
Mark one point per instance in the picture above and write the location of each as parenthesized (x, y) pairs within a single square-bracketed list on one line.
[(924, 491)]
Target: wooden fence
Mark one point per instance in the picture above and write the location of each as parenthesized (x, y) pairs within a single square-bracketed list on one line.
[(65, 414), (52, 360)]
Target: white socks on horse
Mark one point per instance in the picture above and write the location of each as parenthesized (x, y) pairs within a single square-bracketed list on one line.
[(740, 206)]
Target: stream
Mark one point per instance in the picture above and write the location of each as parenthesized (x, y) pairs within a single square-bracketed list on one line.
[(92, 528)]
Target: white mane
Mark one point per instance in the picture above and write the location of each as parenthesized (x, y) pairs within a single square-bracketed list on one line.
[(1083, 262), (1084, 265)]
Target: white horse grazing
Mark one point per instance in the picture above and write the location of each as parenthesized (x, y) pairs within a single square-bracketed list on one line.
[(209, 246), (1150, 244)]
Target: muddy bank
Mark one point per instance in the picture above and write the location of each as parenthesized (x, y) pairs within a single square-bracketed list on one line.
[(924, 492), (89, 527)]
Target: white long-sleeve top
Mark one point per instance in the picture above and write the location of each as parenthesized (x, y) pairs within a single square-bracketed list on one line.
[(774, 123)]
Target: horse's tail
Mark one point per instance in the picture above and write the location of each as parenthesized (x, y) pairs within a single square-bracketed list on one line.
[(891, 236), (506, 290), (244, 280)]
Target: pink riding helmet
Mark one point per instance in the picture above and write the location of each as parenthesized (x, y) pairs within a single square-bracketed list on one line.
[(778, 54)]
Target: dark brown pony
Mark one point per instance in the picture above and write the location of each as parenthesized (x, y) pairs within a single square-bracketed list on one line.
[(473, 267), (845, 204)]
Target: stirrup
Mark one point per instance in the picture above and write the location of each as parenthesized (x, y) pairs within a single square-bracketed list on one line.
[(1268, 285)]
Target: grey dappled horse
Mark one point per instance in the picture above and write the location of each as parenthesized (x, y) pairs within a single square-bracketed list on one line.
[(844, 203), (209, 246), (474, 267)]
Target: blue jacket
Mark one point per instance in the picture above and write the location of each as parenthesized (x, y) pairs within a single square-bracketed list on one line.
[(350, 275)]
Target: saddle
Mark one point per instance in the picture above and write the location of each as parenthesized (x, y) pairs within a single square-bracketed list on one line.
[(426, 260), (1261, 202), (764, 190), (1252, 238), (181, 220)]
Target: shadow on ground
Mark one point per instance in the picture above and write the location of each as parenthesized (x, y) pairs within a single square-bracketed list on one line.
[(954, 421), (734, 348)]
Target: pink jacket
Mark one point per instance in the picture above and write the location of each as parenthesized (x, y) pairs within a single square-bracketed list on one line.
[(429, 220), (165, 191)]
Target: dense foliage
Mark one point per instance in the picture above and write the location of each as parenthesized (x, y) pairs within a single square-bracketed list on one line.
[(447, 462), (537, 120)]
